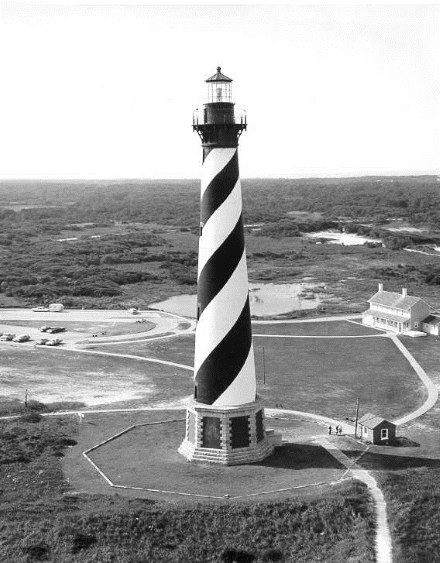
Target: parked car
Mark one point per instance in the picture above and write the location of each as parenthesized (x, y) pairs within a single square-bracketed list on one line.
[(42, 341), (40, 309), (52, 329), (22, 338), (7, 336), (55, 329), (54, 342)]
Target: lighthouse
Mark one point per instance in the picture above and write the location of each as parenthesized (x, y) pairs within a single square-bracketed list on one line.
[(225, 420)]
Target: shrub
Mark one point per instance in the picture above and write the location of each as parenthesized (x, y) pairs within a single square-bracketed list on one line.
[(237, 556), (38, 552), (82, 541), (33, 417), (272, 555)]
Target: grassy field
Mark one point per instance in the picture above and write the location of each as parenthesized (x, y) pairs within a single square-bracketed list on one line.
[(330, 328), (128, 460), (334, 526), (427, 352), (318, 375), (414, 508), (54, 375), (326, 376)]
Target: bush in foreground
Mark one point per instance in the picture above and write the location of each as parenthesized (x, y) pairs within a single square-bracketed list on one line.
[(42, 522), (414, 505)]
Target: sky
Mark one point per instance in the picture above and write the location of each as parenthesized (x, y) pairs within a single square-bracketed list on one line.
[(107, 90)]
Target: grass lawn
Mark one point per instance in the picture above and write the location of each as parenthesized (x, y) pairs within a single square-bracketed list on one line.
[(41, 520), (54, 375), (129, 460), (178, 349), (318, 375), (414, 511), (325, 328), (325, 376), (427, 352)]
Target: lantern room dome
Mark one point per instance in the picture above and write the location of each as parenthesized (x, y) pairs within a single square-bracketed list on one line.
[(218, 77)]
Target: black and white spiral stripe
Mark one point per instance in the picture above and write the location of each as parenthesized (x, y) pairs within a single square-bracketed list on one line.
[(224, 359)]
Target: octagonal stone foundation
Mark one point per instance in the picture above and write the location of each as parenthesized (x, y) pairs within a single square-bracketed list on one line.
[(227, 435), (144, 459)]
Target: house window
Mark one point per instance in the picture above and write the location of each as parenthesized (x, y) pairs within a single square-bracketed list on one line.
[(416, 325), (364, 430), (384, 434)]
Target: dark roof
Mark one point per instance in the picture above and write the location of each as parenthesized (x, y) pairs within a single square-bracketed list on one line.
[(394, 299), (432, 319), (371, 420), (218, 77)]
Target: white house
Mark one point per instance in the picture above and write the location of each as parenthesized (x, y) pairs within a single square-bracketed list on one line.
[(398, 312)]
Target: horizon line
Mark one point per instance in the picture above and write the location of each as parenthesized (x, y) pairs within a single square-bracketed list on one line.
[(188, 178)]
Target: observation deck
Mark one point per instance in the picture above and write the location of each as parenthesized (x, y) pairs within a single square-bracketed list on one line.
[(219, 124)]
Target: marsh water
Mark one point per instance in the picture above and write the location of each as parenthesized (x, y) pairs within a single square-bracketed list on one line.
[(265, 299), (336, 237)]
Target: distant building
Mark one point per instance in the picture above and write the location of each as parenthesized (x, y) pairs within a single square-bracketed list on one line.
[(394, 311), (431, 325), (375, 429)]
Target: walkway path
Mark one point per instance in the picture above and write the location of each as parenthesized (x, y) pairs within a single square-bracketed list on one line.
[(430, 386), (133, 357), (383, 543)]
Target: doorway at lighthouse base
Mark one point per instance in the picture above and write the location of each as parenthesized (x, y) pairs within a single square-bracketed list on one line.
[(227, 435)]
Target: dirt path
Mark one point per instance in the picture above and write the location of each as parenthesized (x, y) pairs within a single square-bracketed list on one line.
[(383, 543), (430, 386), (133, 357)]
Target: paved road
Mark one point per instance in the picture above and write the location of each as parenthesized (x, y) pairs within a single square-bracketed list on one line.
[(163, 323)]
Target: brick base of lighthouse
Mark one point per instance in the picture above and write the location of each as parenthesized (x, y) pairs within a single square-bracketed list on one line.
[(227, 435)]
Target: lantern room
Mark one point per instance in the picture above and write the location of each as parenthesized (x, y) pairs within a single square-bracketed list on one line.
[(219, 88), (219, 123)]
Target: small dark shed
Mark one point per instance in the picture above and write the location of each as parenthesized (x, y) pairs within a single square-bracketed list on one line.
[(375, 429)]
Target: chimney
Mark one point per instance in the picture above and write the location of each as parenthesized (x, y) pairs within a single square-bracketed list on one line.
[(404, 292), (381, 287)]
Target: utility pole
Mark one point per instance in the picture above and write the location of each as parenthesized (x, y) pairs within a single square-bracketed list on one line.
[(264, 368), (357, 416)]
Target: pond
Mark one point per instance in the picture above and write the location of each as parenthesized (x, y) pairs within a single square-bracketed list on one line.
[(265, 299), (336, 237)]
